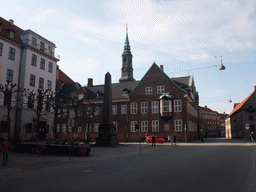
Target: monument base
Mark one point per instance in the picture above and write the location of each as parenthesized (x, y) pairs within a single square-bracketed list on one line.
[(107, 136)]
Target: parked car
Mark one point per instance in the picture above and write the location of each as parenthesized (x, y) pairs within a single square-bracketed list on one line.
[(157, 139)]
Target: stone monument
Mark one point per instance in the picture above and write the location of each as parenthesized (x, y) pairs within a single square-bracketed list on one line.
[(107, 130)]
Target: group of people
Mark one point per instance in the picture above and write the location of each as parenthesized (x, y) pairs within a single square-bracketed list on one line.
[(172, 139)]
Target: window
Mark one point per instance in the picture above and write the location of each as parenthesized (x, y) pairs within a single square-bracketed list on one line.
[(144, 126), (33, 60), (155, 106), (70, 129), (178, 125), (49, 85), (115, 123), (177, 106), (10, 33), (42, 46), (31, 101), (64, 127), (50, 49), (11, 54), (50, 67), (114, 109), (97, 110), (65, 112), (160, 89), (155, 126), (134, 108), (41, 82), (32, 80), (79, 129), (96, 127), (133, 123), (165, 106), (144, 107), (9, 75), (42, 64), (48, 106), (1, 49), (250, 110), (148, 90), (88, 127), (59, 113), (58, 128), (123, 109), (34, 41)]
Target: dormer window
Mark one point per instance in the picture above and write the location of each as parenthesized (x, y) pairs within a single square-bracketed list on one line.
[(126, 92), (10, 33), (42, 46), (80, 96), (98, 94)]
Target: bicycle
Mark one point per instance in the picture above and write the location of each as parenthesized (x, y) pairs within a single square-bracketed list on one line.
[(25, 150), (38, 150)]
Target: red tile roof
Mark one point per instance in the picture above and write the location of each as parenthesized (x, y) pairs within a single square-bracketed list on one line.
[(61, 77), (6, 25), (237, 107)]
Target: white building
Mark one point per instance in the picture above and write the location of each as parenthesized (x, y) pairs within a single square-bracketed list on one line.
[(29, 60)]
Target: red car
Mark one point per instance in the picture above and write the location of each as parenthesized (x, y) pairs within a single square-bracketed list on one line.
[(157, 139)]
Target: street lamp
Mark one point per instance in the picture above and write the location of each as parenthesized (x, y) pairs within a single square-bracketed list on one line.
[(222, 67)]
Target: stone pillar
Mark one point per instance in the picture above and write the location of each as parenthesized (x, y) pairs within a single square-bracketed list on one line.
[(107, 133)]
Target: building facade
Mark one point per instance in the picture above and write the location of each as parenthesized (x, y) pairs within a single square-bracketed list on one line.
[(160, 105), (33, 62), (209, 122), (241, 121)]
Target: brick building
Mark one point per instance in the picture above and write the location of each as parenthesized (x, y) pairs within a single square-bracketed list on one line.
[(159, 104), (209, 122)]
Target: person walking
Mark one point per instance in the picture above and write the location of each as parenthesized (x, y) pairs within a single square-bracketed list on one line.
[(5, 146), (168, 138), (174, 140), (153, 140), (251, 136)]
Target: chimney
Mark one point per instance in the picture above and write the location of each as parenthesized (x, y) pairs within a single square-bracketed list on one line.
[(205, 106), (162, 67), (90, 82), (255, 88), (11, 21)]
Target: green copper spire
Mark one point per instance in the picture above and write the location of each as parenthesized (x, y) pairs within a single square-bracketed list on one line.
[(126, 43)]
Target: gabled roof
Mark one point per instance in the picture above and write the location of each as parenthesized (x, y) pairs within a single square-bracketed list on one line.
[(183, 82), (6, 25), (61, 78), (69, 89), (240, 105)]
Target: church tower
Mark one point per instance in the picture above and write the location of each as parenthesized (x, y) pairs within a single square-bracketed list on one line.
[(127, 70)]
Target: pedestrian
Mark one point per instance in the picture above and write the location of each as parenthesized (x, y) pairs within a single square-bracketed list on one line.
[(251, 136), (5, 146), (153, 140), (174, 140), (168, 138)]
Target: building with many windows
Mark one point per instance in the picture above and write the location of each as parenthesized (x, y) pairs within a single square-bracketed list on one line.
[(160, 105), (29, 61)]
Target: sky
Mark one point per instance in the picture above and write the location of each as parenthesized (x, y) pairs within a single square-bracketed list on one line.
[(187, 37)]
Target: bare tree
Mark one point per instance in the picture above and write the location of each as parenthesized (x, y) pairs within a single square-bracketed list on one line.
[(9, 92)]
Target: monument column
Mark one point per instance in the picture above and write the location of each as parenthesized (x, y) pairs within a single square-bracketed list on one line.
[(107, 133)]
